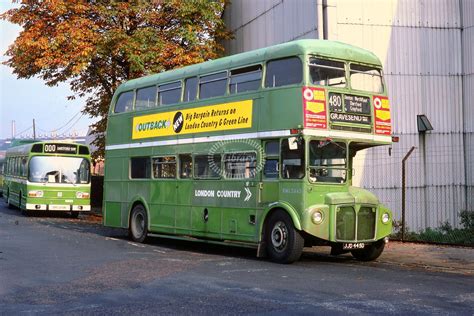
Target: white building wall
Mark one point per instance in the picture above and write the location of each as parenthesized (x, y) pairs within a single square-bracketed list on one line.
[(420, 44)]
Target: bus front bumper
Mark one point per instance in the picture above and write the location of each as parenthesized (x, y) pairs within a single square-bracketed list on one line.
[(56, 207)]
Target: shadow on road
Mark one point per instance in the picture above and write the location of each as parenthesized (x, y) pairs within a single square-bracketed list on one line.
[(91, 223)]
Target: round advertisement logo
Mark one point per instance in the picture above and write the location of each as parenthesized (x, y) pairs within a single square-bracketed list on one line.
[(178, 122), (377, 103), (308, 94)]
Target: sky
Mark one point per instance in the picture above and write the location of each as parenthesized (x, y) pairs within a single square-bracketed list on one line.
[(23, 100)]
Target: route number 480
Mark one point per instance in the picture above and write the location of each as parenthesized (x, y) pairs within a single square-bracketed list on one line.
[(335, 101)]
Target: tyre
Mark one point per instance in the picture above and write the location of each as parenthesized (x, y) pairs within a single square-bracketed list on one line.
[(284, 243), (370, 252), (74, 214), (138, 230)]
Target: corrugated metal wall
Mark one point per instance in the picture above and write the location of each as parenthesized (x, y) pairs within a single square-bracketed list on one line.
[(420, 44), (468, 96), (263, 23)]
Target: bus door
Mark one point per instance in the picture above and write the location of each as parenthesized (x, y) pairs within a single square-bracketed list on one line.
[(292, 171)]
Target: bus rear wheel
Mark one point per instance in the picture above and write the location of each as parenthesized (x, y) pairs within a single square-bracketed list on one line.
[(370, 252), (138, 230), (284, 243)]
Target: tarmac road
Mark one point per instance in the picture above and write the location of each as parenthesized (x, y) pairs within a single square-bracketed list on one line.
[(56, 265)]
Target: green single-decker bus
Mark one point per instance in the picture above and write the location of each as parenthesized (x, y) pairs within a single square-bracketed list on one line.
[(48, 176)]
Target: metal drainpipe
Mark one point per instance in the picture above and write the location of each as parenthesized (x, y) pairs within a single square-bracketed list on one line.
[(325, 19)]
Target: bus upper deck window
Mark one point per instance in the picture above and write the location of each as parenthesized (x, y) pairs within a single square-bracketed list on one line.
[(213, 85), (190, 89), (327, 72), (146, 98), (366, 78), (283, 72), (245, 79), (124, 102), (169, 93)]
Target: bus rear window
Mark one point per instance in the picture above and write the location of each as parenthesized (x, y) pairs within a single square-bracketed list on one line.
[(366, 78), (124, 102), (245, 79), (213, 85), (327, 72), (283, 72)]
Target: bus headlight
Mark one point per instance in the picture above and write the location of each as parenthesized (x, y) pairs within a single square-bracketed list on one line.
[(317, 217), (385, 218), (35, 193), (82, 195)]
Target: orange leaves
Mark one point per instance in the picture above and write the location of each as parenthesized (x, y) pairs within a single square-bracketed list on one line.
[(96, 45)]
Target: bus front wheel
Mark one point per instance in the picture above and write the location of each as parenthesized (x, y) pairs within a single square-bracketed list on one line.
[(284, 243), (138, 230), (370, 252)]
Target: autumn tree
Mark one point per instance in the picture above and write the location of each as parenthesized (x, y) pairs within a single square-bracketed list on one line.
[(95, 45)]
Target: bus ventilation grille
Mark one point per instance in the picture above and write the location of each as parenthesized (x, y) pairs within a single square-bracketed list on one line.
[(347, 228)]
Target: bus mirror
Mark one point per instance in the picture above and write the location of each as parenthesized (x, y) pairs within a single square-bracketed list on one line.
[(293, 143)]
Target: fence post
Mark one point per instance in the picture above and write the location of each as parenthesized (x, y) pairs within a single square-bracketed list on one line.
[(404, 189)]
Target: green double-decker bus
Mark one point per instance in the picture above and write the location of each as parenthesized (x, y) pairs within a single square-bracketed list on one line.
[(48, 176), (254, 149)]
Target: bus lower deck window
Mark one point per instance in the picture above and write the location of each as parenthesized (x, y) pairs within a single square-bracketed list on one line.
[(140, 168)]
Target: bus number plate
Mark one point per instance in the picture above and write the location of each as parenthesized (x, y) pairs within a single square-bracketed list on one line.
[(351, 246)]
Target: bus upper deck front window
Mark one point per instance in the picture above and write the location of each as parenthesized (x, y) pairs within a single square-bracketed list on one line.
[(327, 72), (327, 161), (50, 169), (366, 78)]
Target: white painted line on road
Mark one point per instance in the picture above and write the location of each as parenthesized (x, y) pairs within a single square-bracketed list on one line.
[(159, 251), (110, 238), (244, 270), (136, 245)]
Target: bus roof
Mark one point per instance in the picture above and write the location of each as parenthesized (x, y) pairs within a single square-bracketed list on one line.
[(324, 48)]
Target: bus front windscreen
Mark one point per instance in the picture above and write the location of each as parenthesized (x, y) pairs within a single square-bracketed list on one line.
[(51, 169), (327, 161)]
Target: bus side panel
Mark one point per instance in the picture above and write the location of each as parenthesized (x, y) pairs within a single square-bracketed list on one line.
[(163, 205), (185, 193), (112, 214), (284, 103)]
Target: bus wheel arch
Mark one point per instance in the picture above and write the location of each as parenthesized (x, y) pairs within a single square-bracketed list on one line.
[(281, 239), (138, 221)]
